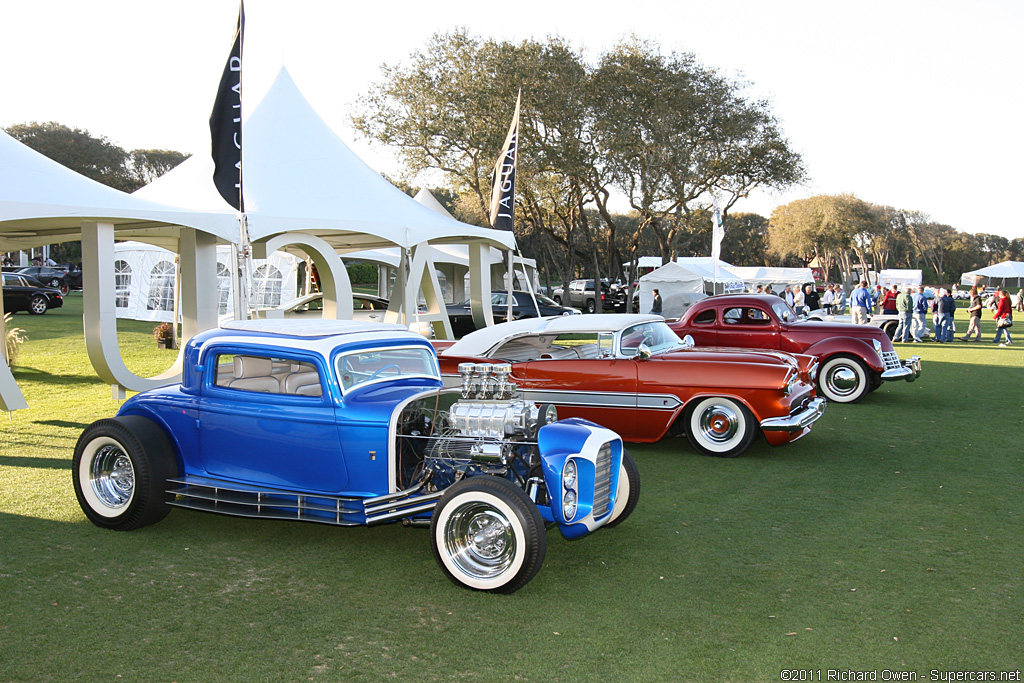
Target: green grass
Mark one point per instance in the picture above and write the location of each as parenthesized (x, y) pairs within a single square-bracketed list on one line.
[(889, 538)]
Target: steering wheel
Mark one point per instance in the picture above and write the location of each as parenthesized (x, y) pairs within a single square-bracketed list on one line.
[(380, 370)]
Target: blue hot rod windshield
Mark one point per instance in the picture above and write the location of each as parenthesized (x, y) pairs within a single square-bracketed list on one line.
[(387, 364)]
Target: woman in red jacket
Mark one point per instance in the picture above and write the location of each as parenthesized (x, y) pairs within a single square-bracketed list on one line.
[(1003, 317)]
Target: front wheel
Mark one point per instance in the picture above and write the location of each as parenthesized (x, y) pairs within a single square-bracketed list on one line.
[(720, 427), (843, 379), (120, 472), (591, 306), (487, 535), (627, 493)]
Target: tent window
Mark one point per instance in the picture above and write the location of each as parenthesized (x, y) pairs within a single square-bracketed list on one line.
[(161, 287), (122, 283), (267, 281), (223, 288), (705, 317)]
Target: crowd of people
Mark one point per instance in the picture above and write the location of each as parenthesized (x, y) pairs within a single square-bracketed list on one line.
[(911, 306)]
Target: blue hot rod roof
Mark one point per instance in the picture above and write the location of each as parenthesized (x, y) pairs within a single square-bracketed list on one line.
[(311, 328)]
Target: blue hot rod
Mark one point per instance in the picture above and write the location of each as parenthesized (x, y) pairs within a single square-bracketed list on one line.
[(348, 423)]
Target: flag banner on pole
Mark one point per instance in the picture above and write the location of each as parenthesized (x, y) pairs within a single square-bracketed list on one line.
[(226, 124), (717, 235), (503, 188)]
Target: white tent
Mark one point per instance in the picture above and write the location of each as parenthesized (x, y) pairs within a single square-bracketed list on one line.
[(298, 175), (900, 277), (778, 278), (43, 202), (726, 281), (680, 286), (144, 281), (1005, 274)]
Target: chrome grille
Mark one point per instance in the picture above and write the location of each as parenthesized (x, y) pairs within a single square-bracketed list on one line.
[(891, 359), (603, 481)]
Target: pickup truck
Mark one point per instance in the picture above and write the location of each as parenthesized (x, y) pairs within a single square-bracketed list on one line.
[(854, 359), (581, 294)]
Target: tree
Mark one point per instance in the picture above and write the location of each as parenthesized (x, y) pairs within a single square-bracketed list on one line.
[(96, 157), (661, 129)]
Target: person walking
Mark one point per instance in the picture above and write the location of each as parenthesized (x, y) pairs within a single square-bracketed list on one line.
[(905, 311), (1003, 317), (974, 310), (1020, 300), (860, 304), (798, 301)]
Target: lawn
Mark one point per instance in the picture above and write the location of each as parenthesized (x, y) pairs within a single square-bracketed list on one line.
[(890, 538)]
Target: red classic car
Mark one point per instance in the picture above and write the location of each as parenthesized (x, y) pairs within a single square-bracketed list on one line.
[(855, 359), (632, 374)]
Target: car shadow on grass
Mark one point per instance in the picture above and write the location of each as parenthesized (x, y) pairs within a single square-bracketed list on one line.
[(62, 423)]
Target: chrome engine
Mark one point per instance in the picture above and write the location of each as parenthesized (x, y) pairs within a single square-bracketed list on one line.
[(488, 430)]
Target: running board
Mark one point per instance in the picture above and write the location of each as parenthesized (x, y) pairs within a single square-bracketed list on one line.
[(228, 498)]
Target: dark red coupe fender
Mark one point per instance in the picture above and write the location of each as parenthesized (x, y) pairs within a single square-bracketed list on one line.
[(854, 359)]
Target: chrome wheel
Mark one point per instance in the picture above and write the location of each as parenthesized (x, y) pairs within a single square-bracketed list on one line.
[(720, 426), (843, 380), (718, 423), (480, 540), (112, 476), (487, 535)]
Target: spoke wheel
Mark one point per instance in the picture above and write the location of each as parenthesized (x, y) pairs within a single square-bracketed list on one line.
[(843, 379), (487, 535), (720, 427)]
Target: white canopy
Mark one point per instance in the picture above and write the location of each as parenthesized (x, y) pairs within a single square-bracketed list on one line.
[(778, 278), (43, 202), (678, 285), (1007, 270), (900, 276), (298, 175)]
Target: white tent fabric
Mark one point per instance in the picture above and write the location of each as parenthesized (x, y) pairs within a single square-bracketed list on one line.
[(901, 277), (144, 281), (679, 286), (42, 202), (298, 175), (727, 281), (1007, 270), (778, 278)]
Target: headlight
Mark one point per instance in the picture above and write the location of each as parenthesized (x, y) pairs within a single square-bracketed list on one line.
[(878, 345), (569, 505), (569, 475)]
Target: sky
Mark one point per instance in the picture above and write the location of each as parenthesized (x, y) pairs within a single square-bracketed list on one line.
[(914, 104)]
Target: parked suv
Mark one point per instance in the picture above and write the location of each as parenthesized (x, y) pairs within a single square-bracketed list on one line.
[(581, 294)]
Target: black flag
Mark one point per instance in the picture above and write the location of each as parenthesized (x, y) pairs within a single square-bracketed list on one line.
[(226, 124), (503, 190)]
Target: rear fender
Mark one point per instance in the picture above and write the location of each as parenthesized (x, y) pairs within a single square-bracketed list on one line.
[(579, 440)]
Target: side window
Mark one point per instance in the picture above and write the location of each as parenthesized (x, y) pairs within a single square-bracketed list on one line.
[(267, 375), (755, 316), (732, 316), (705, 317)]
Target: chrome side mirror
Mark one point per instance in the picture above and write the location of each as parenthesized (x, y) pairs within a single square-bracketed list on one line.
[(643, 352), (688, 342)]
